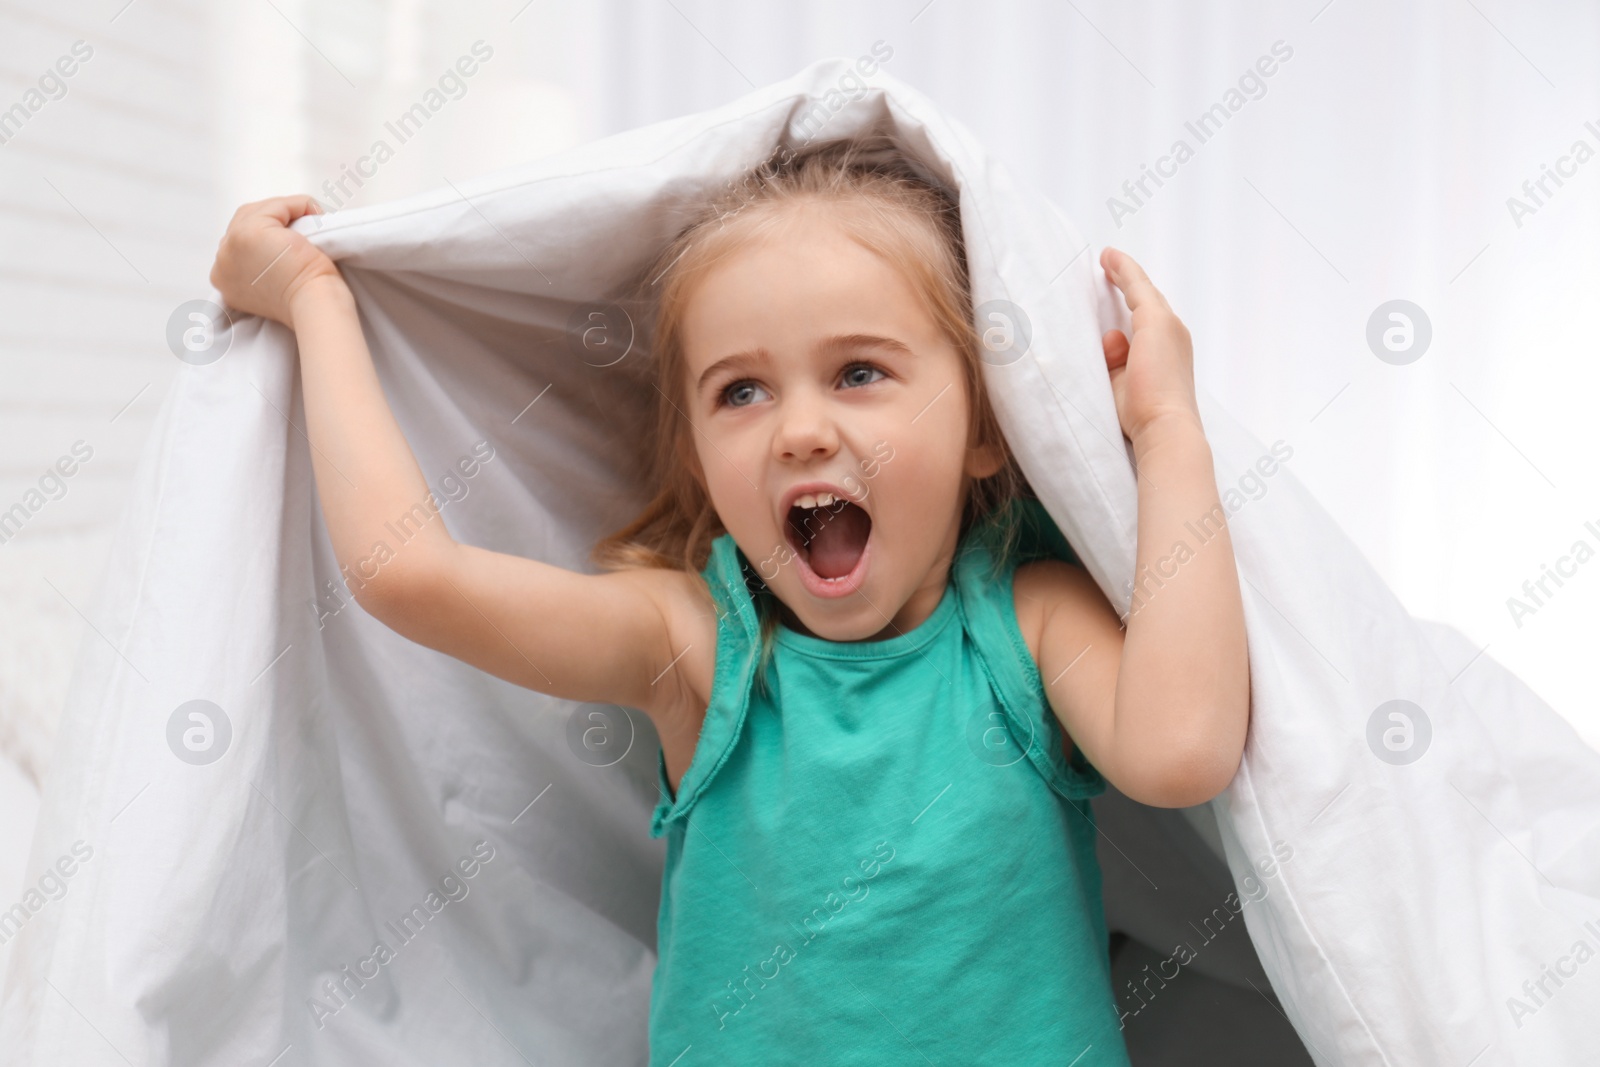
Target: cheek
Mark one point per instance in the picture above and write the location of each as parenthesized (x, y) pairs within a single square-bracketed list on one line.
[(728, 472), (915, 473)]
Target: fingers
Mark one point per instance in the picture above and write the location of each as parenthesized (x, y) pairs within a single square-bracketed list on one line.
[(1115, 343), (1127, 275), (288, 208), (285, 209)]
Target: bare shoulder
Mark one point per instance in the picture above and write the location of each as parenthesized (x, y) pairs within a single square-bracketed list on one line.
[(1045, 588), (1075, 639), (690, 618), (683, 686)]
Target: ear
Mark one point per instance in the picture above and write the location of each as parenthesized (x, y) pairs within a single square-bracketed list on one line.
[(983, 461)]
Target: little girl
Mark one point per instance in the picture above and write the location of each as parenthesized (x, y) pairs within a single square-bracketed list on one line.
[(884, 690)]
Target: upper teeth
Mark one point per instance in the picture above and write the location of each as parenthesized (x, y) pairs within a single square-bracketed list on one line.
[(814, 500)]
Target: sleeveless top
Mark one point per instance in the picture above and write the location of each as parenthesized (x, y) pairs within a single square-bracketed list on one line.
[(883, 856)]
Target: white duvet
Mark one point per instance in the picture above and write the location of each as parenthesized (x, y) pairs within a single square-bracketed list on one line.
[(359, 851)]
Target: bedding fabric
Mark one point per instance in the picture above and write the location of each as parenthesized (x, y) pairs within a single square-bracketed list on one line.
[(279, 833)]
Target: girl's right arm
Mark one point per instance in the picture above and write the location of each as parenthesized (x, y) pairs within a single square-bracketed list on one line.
[(603, 638)]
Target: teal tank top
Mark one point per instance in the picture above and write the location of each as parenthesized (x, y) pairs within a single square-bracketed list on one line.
[(883, 856)]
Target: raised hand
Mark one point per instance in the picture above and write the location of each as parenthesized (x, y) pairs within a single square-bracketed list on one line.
[(261, 263), (1152, 376)]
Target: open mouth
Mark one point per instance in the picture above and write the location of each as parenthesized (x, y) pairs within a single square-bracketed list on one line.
[(829, 539)]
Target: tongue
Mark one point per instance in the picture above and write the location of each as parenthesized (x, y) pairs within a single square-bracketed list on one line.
[(838, 545)]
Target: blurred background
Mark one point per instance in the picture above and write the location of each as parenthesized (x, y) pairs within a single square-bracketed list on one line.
[(1437, 153)]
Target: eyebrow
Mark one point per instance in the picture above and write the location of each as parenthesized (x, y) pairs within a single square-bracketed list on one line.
[(847, 342)]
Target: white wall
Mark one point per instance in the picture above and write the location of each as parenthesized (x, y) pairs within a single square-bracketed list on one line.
[(1377, 165)]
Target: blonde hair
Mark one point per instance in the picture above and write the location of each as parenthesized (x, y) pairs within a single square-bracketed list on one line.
[(889, 205)]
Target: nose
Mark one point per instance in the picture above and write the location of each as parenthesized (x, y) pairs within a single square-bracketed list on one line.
[(806, 428)]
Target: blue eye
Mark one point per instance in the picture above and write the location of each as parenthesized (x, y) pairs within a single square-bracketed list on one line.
[(735, 388), (854, 367)]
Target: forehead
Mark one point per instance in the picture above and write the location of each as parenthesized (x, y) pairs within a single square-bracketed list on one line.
[(789, 289)]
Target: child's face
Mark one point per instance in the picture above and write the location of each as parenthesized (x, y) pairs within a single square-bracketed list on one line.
[(891, 435)]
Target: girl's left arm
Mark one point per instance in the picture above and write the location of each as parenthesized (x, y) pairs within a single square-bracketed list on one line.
[(1162, 708)]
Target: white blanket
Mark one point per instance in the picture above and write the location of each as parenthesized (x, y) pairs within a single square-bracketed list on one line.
[(214, 889)]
